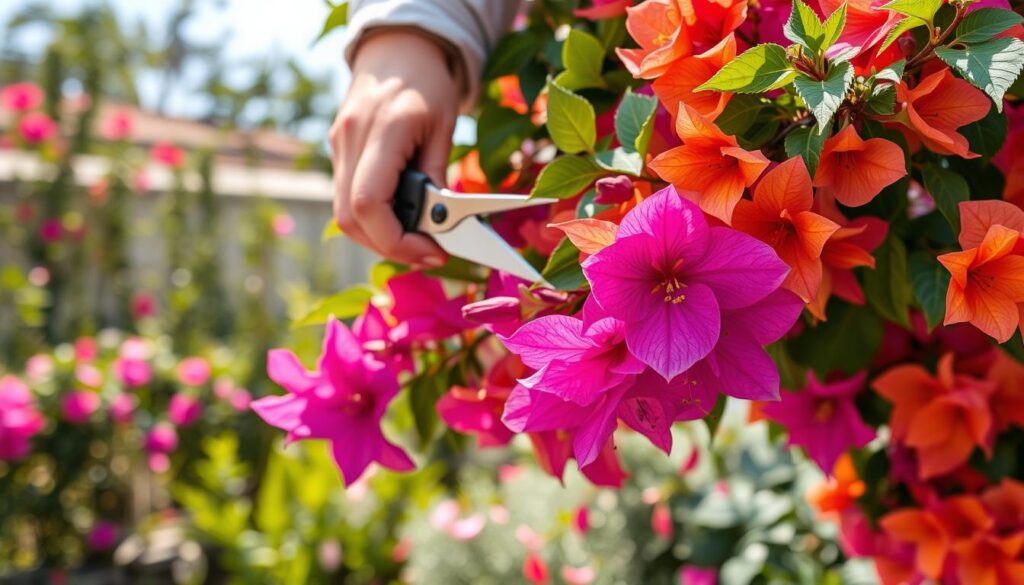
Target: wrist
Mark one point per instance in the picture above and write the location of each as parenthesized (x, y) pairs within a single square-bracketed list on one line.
[(377, 48)]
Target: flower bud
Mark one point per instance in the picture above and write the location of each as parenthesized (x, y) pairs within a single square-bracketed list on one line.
[(612, 190), (492, 310)]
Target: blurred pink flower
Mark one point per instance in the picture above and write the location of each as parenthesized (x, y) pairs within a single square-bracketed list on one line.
[(536, 570), (694, 575), (132, 365), (89, 375), (160, 441), (240, 399), (584, 575), (143, 305), (51, 230), (119, 125), (122, 408), (329, 554), (21, 97), (39, 367), (283, 225), (37, 127), (581, 520), (692, 461), (86, 349), (103, 536), (476, 411), (78, 406), (343, 402), (661, 521), (528, 538), (19, 419), (184, 410), (167, 154), (193, 371)]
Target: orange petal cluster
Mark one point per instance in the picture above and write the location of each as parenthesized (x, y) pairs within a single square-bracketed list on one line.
[(686, 74), (710, 167), (658, 27), (780, 215), (942, 417), (987, 284), (938, 106), (839, 492), (856, 169)]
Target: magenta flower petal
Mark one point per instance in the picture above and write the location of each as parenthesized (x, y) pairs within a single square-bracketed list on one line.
[(739, 367), (572, 382), (532, 411), (768, 319), (592, 435), (283, 412), (622, 276), (553, 337), (677, 334), (739, 268), (673, 221), (285, 369)]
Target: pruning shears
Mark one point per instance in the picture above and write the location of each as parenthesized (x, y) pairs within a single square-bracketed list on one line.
[(452, 220)]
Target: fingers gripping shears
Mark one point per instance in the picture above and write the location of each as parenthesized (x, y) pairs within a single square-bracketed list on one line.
[(452, 220)]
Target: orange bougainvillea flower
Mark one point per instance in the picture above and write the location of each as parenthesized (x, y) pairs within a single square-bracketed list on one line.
[(849, 247), (938, 106), (856, 169), (990, 559), (709, 21), (976, 217), (943, 417), (1007, 374), (512, 98), (987, 284), (710, 167), (686, 74), (1006, 502), (658, 27), (924, 530), (780, 215), (839, 492)]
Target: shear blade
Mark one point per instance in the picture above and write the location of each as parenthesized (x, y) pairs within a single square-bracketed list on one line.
[(472, 240)]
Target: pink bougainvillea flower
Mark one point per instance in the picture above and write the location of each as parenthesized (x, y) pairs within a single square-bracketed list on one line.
[(167, 154), (661, 521), (37, 127), (102, 536), (118, 125), (823, 419), (937, 106), (710, 167), (122, 408), (420, 301), (143, 305), (19, 419), (696, 575), (184, 410), (553, 449), (535, 570), (21, 97), (132, 366), (943, 417), (867, 23), (765, 22), (682, 77), (856, 170), (603, 9), (780, 215), (39, 368), (738, 365), (658, 27), (86, 349), (476, 411), (160, 442), (193, 371), (390, 342), (342, 402), (78, 406), (668, 276)]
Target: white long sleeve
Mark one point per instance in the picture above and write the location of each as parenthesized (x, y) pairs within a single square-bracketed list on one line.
[(473, 27)]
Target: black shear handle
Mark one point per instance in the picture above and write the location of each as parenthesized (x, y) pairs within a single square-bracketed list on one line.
[(409, 198)]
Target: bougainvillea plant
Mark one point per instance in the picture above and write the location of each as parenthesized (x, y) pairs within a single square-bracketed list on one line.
[(815, 208)]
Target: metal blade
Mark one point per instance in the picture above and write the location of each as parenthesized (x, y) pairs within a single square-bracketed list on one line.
[(472, 240), (458, 206)]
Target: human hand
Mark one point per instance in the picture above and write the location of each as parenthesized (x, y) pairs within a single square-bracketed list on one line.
[(401, 107)]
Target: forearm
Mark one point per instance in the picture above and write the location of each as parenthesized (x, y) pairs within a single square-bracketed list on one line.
[(469, 28)]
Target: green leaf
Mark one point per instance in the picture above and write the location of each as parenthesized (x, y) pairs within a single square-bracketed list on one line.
[(513, 52), (905, 24), (500, 132), (987, 135), (807, 143), (887, 287), (847, 341), (825, 97), (583, 57), (923, 10), (634, 121), (563, 268), (1014, 347), (991, 66), (804, 27), (566, 176), (985, 23), (758, 69), (336, 18), (620, 160), (930, 280), (347, 304), (330, 231), (893, 73), (424, 392), (714, 418), (571, 120), (740, 114), (948, 189), (882, 101)]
